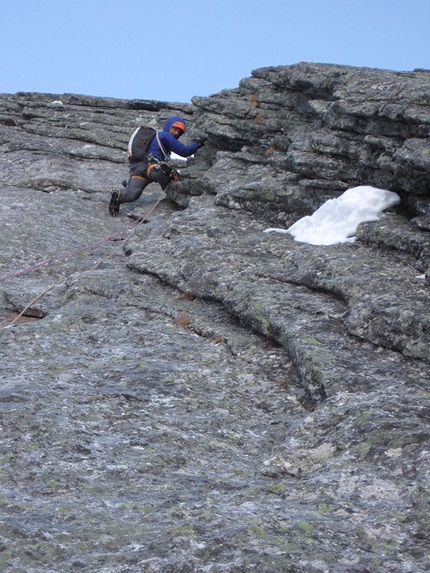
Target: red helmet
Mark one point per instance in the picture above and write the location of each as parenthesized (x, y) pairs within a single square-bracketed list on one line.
[(179, 125)]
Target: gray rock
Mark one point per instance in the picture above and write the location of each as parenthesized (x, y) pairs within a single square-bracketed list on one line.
[(186, 393), (317, 130)]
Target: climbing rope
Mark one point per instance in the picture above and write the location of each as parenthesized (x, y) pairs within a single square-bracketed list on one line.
[(78, 251), (134, 226)]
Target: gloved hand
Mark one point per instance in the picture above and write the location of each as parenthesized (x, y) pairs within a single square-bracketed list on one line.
[(174, 176), (166, 169), (202, 140), (169, 172)]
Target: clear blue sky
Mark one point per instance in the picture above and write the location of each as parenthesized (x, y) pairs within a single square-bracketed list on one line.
[(171, 50)]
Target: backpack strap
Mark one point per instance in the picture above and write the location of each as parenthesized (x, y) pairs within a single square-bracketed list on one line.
[(166, 155)]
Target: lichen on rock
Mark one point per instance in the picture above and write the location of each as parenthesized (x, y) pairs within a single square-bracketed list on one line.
[(189, 393)]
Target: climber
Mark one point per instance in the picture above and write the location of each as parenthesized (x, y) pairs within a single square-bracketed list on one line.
[(148, 153)]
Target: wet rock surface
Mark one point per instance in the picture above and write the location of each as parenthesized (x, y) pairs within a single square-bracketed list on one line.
[(191, 393)]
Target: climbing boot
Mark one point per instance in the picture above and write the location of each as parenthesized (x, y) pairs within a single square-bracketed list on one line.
[(115, 200)]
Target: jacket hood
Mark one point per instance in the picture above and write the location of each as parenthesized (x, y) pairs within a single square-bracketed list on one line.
[(171, 121)]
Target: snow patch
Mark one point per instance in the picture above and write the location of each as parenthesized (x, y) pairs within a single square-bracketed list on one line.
[(337, 220)]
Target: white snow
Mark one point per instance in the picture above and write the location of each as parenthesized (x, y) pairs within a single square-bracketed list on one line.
[(176, 157), (336, 221)]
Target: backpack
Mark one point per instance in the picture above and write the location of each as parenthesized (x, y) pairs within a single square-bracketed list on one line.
[(139, 143)]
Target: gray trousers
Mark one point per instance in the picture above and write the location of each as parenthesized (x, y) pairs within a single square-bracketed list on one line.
[(139, 180), (136, 184)]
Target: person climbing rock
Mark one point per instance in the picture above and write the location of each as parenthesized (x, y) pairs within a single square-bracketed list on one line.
[(148, 155)]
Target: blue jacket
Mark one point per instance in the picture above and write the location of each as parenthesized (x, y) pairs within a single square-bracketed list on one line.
[(170, 143)]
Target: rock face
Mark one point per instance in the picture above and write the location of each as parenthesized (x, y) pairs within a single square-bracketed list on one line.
[(185, 393)]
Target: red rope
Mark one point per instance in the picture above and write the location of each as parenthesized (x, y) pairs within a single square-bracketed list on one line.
[(73, 253)]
